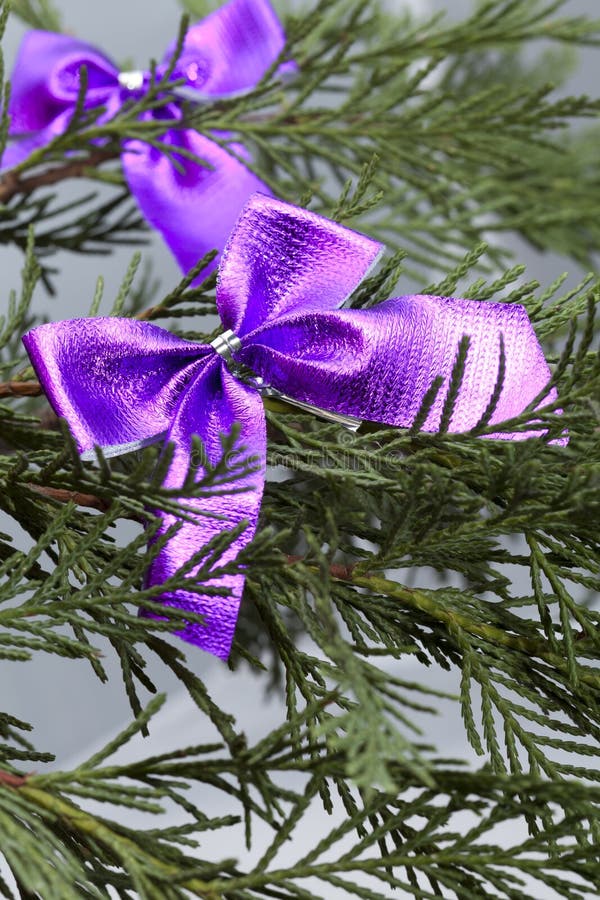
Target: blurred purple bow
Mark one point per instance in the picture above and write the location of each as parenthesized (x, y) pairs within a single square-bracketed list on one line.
[(194, 207), (285, 274)]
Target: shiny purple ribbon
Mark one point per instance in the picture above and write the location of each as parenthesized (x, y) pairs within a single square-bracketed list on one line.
[(194, 207), (285, 274)]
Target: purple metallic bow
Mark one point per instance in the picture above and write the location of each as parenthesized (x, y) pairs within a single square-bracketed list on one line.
[(194, 207), (284, 275)]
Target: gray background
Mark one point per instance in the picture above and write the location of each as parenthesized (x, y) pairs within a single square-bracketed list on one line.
[(72, 712)]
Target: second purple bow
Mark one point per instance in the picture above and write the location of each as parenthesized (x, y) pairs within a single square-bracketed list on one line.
[(193, 206), (285, 273)]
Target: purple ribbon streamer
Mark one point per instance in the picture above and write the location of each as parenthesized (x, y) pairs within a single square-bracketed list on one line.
[(225, 54), (285, 274)]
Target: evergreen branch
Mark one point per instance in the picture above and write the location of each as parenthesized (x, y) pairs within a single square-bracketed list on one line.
[(431, 140), (37, 14), (426, 602), (64, 496), (123, 849), (21, 389), (447, 169), (136, 858), (13, 184)]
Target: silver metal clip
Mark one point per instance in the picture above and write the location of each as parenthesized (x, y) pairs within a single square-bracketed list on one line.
[(132, 81), (228, 343), (349, 422)]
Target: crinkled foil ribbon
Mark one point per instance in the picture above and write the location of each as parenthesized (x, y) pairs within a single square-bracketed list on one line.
[(283, 279)]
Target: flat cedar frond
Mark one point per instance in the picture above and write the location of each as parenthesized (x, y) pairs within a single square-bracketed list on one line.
[(375, 549)]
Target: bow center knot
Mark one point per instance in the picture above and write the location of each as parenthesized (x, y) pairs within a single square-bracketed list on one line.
[(226, 345), (196, 72), (132, 81)]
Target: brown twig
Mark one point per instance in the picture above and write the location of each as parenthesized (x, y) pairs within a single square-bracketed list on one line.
[(149, 313), (454, 619), (14, 781), (63, 496), (21, 389), (336, 570), (91, 501), (12, 183)]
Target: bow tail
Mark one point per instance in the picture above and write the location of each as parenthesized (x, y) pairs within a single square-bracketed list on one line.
[(379, 364), (209, 407), (45, 86), (193, 206)]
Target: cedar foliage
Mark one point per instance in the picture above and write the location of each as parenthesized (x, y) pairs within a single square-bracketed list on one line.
[(424, 134)]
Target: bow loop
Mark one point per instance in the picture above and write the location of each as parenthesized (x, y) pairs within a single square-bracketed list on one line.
[(231, 49), (46, 79), (101, 80), (378, 364), (116, 381), (281, 260)]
